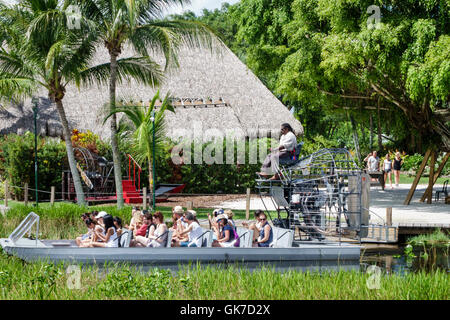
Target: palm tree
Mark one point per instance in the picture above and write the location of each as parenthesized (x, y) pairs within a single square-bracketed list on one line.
[(50, 55), (137, 23), (140, 129)]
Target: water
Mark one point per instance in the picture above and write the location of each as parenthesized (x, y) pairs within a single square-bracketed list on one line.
[(396, 261)]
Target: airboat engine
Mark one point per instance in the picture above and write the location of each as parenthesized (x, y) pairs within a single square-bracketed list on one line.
[(321, 195)]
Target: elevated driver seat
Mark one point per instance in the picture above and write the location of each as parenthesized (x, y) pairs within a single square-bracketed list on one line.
[(293, 157)]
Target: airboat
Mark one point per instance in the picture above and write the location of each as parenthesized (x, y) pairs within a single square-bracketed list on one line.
[(321, 201)]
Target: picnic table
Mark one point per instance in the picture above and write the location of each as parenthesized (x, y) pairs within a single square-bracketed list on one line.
[(379, 175)]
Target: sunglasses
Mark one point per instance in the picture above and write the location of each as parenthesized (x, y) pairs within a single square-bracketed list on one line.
[(263, 219)]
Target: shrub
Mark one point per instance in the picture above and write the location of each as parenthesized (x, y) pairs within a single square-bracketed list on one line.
[(208, 178), (412, 162), (17, 161)]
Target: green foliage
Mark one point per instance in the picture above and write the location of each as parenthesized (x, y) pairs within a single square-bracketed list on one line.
[(210, 178), (143, 128), (124, 284), (316, 143), (40, 280), (17, 153), (17, 162), (412, 162), (325, 57), (2, 189), (435, 239)]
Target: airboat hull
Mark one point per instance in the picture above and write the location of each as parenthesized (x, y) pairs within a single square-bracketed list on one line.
[(320, 255)]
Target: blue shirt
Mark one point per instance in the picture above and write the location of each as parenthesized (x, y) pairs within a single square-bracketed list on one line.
[(261, 234), (230, 229)]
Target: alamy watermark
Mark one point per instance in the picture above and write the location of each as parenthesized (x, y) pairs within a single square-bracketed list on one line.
[(374, 280), (199, 146), (74, 277), (73, 15), (374, 20)]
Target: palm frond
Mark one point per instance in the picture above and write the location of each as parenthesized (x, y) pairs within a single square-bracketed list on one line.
[(16, 88)]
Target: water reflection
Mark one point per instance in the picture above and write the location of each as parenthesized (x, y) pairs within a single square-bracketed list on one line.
[(400, 263)]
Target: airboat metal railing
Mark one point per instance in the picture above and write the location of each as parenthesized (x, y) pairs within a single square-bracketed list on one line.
[(321, 194), (135, 164), (25, 226)]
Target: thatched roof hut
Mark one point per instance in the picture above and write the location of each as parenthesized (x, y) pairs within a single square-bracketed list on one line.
[(210, 89)]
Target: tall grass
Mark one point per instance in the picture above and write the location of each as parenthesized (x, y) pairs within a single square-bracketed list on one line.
[(71, 210), (435, 239), (20, 280)]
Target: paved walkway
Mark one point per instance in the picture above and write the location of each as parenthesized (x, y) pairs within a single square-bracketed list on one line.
[(416, 212)]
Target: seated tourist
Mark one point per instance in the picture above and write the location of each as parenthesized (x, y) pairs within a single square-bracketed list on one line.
[(255, 226), (194, 232), (229, 214), (213, 219), (97, 218), (227, 236), (177, 213), (266, 234), (159, 237), (110, 239), (118, 224), (93, 214), (179, 227), (146, 230), (86, 238), (147, 223), (194, 213), (136, 222), (84, 217)]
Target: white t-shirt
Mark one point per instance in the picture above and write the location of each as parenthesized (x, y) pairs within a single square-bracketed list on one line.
[(373, 163), (289, 141), (387, 164), (195, 233)]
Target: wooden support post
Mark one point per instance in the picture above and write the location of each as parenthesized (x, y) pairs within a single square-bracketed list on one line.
[(417, 179), (430, 179), (389, 216), (6, 193), (144, 198), (52, 195), (247, 205), (63, 190), (189, 205), (25, 194), (429, 192)]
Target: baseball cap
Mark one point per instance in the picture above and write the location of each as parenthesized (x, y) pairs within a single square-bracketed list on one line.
[(101, 214), (178, 210)]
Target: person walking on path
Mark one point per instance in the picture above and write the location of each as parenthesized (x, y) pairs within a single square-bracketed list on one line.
[(397, 164), (387, 168)]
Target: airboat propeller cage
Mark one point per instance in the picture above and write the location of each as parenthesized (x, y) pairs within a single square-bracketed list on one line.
[(324, 193)]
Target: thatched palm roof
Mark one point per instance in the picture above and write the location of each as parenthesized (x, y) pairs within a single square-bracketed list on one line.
[(215, 90)]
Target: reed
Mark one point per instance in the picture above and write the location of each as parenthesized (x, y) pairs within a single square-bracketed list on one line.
[(435, 239), (71, 210), (19, 280)]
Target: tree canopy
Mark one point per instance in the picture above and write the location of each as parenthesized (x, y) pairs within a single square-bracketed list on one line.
[(336, 60)]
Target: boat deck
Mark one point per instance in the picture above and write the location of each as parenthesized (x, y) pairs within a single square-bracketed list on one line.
[(303, 254)]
